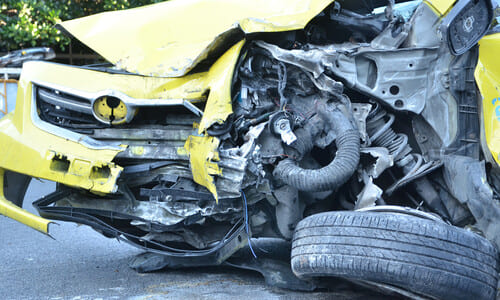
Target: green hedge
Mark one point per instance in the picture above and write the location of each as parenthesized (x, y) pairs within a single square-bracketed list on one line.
[(30, 23)]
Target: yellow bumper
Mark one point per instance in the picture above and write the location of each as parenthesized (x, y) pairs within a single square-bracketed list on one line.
[(35, 148), (12, 211)]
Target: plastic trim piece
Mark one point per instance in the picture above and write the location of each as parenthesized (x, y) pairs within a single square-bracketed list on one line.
[(67, 134), (130, 102)]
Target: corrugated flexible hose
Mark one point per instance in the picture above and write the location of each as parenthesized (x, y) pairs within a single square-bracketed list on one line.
[(334, 174)]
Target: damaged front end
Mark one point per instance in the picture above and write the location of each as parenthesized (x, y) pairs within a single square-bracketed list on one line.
[(190, 144)]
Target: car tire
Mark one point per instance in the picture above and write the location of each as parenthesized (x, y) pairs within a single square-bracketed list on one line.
[(423, 256)]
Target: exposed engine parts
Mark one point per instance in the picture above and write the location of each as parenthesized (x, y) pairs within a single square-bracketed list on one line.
[(319, 122), (301, 139), (380, 132), (333, 175)]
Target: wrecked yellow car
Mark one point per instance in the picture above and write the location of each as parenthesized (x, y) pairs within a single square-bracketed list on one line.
[(349, 140)]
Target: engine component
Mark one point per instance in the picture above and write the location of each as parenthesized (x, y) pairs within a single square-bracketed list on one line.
[(383, 160), (360, 112), (340, 168), (381, 134), (280, 124), (367, 70)]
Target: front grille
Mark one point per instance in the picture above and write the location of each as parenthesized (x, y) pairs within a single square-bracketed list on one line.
[(75, 113), (66, 111)]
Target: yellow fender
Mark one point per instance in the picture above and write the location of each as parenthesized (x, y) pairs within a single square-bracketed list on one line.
[(487, 76)]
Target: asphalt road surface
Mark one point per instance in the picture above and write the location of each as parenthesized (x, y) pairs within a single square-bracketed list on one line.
[(79, 263)]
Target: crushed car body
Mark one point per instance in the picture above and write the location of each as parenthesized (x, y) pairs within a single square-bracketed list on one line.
[(362, 139)]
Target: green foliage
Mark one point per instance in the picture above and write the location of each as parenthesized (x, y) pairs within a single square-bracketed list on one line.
[(30, 23)]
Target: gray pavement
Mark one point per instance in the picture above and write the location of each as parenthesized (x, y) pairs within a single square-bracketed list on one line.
[(79, 263)]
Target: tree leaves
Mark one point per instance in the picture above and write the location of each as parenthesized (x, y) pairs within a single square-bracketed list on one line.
[(30, 23)]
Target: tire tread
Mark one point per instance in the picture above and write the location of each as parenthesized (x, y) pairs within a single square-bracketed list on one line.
[(424, 256)]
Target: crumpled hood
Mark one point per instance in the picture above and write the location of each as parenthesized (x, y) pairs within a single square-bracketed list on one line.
[(169, 39)]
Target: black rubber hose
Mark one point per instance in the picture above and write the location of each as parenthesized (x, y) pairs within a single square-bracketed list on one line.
[(334, 174)]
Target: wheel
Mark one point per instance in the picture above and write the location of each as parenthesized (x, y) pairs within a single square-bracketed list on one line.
[(424, 256)]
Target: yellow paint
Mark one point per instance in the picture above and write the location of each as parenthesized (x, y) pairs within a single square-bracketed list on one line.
[(12, 211), (156, 40), (190, 87), (137, 150), (219, 105), (113, 115), (168, 39), (440, 7), (202, 151), (28, 150), (487, 76)]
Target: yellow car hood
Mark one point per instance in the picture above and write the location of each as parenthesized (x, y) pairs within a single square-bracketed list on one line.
[(169, 39)]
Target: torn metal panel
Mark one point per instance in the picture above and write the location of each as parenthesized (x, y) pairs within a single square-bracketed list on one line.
[(312, 60), (388, 40), (383, 160), (263, 124), (166, 206), (427, 21), (288, 210), (368, 195), (216, 253), (229, 183), (203, 157), (169, 39), (360, 112), (466, 181), (398, 77), (219, 106), (442, 113)]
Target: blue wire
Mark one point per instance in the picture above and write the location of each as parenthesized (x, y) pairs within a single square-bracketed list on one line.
[(246, 224)]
